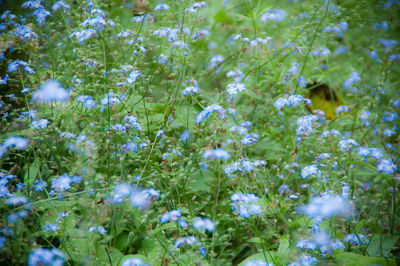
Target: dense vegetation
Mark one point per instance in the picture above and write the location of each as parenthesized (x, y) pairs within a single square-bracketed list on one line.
[(236, 132)]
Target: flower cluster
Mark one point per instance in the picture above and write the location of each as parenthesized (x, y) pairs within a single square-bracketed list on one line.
[(291, 101), (50, 91), (243, 165), (273, 14), (44, 256), (203, 115), (245, 205), (138, 197), (15, 141)]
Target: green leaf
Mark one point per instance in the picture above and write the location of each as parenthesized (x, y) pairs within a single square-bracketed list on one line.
[(32, 172), (352, 259), (106, 254), (283, 246), (220, 16), (362, 163), (381, 245)]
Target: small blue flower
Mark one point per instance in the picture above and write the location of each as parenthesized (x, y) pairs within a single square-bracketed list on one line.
[(2, 242), (200, 223), (185, 241), (39, 185), (39, 124), (182, 223), (41, 15), (61, 183), (60, 4), (161, 7), (273, 14), (185, 135), (51, 227), (310, 170), (355, 239), (171, 216), (257, 263), (389, 117), (133, 262), (250, 139), (97, 229), (132, 77), (216, 154), (17, 200), (386, 166)]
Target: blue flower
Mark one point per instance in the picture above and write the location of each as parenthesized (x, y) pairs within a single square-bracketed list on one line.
[(273, 14), (355, 239), (50, 91), (306, 244), (203, 115), (4, 80), (60, 4), (13, 66), (182, 223), (161, 7), (307, 260), (51, 227), (2, 242), (39, 124), (244, 206), (39, 185), (284, 189), (305, 125), (257, 263), (342, 109), (132, 77), (17, 200), (310, 170), (347, 144), (216, 59), (200, 223), (83, 35), (195, 6), (388, 44), (185, 135), (354, 78), (249, 139), (171, 216), (185, 241), (32, 4), (139, 198), (41, 15), (133, 262), (97, 229), (386, 166), (327, 206), (233, 89), (44, 256), (389, 117), (191, 89), (216, 154), (61, 183)]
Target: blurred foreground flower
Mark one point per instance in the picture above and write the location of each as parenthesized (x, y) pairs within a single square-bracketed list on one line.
[(327, 206), (18, 142), (43, 256), (50, 91), (138, 197)]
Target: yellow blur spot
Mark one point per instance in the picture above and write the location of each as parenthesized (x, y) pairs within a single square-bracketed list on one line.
[(323, 98)]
